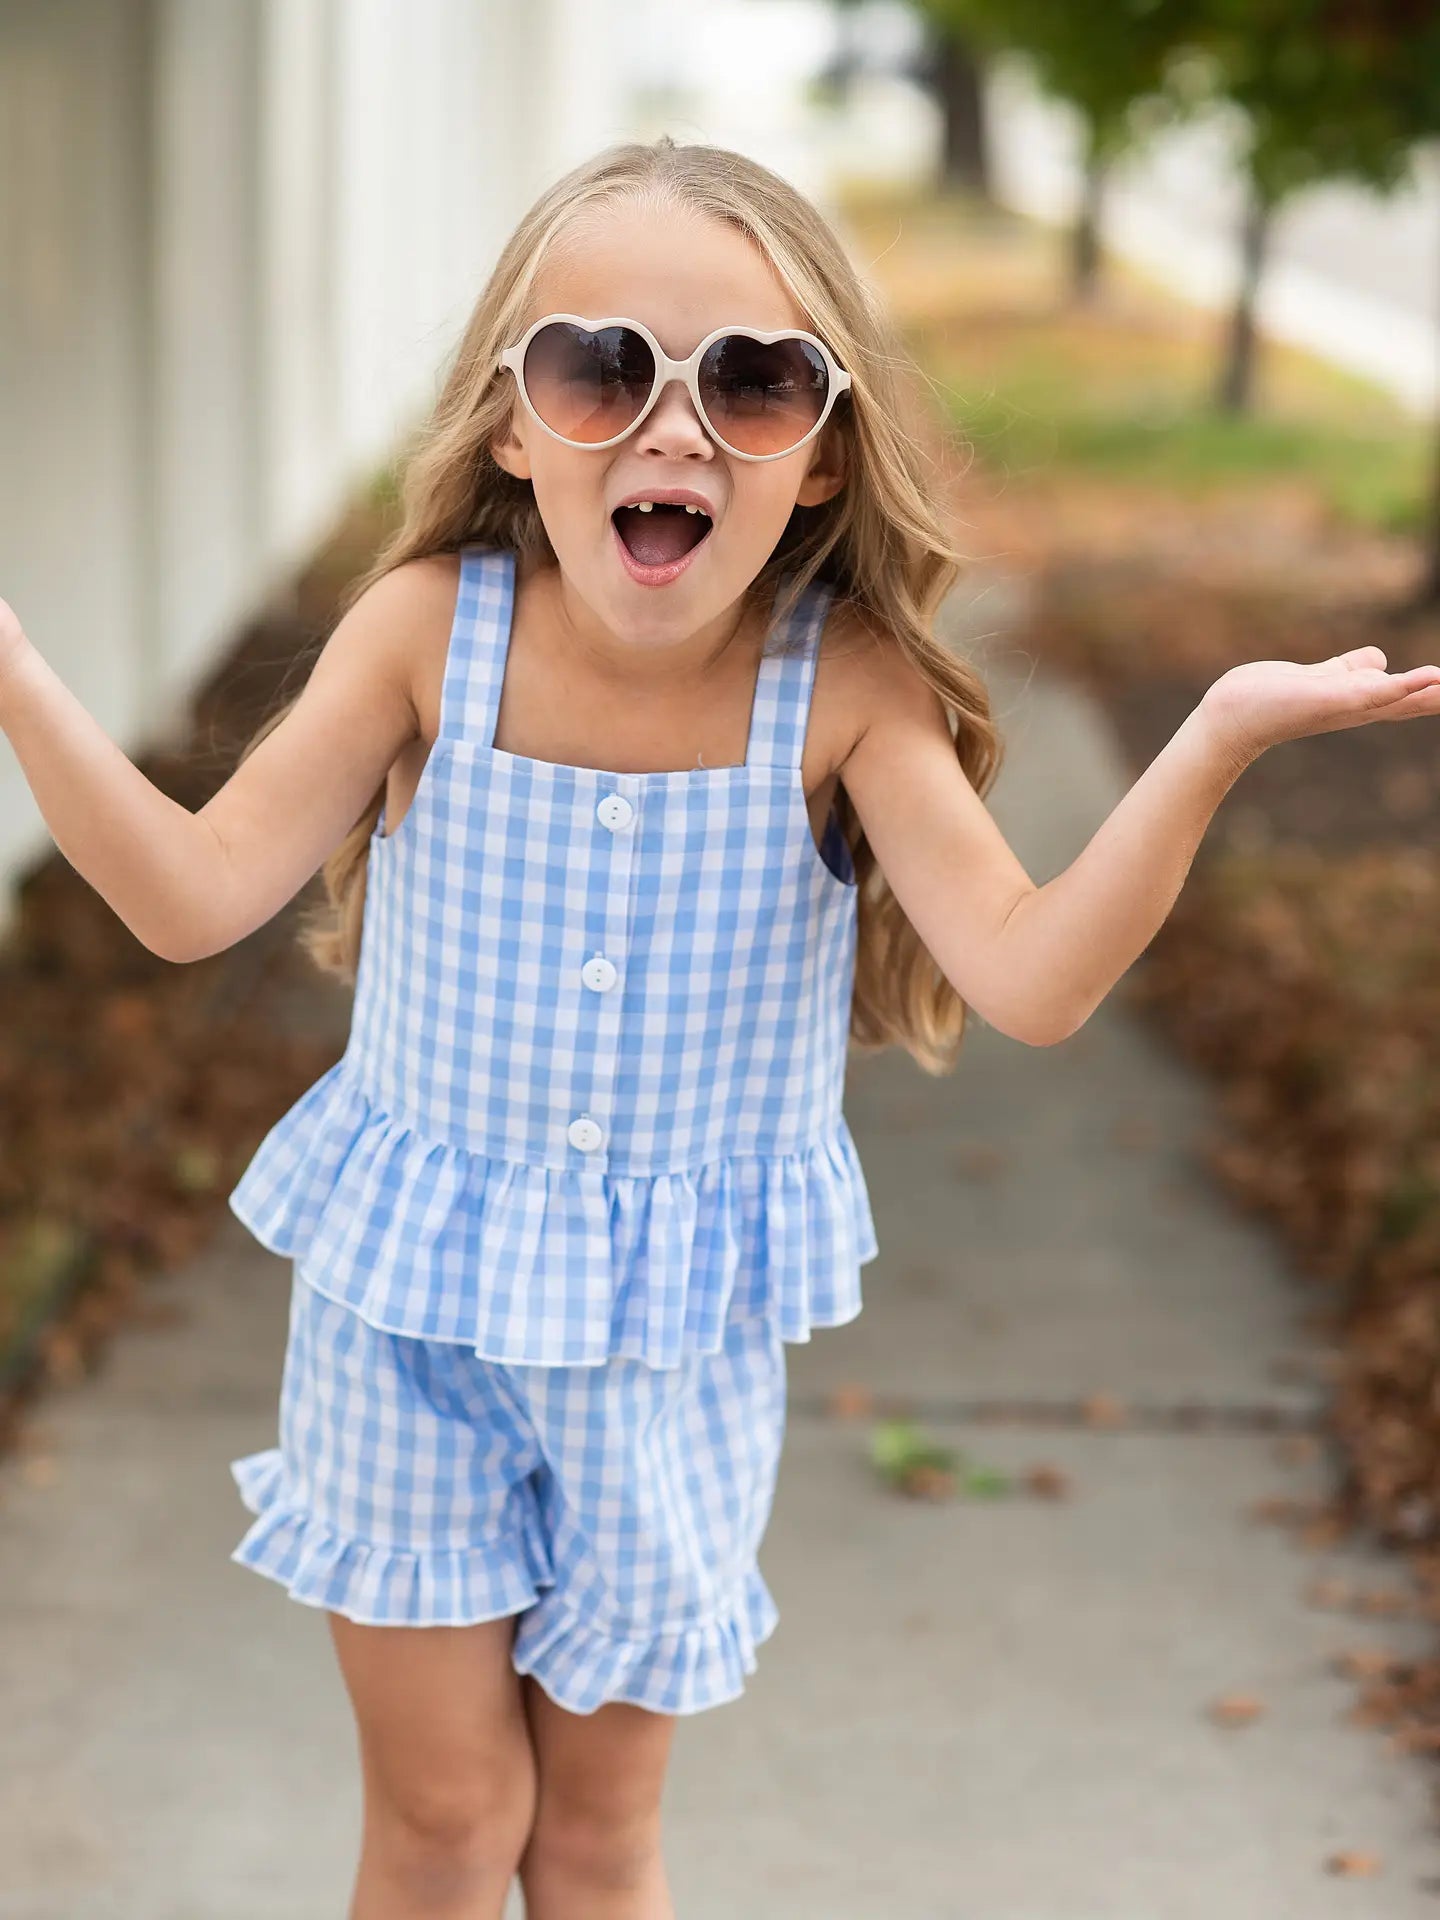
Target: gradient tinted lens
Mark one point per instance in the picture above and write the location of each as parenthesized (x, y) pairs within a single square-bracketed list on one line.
[(763, 398), (588, 386)]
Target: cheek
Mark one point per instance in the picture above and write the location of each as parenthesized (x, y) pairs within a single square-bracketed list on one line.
[(569, 492), (767, 495)]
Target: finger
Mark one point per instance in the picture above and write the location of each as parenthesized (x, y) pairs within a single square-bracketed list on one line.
[(1380, 689), (1357, 657), (1411, 705), (1415, 679), (1372, 695)]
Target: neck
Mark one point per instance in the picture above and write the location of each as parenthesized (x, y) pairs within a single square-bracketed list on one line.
[(574, 629)]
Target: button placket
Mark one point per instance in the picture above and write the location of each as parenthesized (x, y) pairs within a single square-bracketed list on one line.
[(599, 973), (585, 1133), (615, 814)]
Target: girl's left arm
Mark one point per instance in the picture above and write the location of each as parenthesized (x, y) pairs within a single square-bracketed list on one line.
[(1036, 961)]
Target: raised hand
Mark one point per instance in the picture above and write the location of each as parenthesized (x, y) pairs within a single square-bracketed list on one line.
[(1255, 706)]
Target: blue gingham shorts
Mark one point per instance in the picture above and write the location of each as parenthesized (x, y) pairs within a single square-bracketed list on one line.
[(617, 1509)]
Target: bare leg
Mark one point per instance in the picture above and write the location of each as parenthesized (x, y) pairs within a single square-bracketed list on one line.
[(447, 1765), (595, 1849)]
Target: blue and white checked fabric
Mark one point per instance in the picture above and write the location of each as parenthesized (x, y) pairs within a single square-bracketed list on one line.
[(418, 1485), (590, 1105)]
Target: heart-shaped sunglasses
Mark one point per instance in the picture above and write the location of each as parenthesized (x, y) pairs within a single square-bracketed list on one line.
[(591, 382)]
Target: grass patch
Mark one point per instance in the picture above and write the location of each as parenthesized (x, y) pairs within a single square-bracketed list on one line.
[(1030, 424), (1119, 389)]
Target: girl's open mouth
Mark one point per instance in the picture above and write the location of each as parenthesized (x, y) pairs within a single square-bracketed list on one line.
[(657, 543)]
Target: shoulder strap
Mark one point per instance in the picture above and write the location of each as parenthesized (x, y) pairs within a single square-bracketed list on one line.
[(786, 679), (479, 642)]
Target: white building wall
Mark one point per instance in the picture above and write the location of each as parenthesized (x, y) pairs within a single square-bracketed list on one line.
[(77, 521), (204, 362), (238, 240), (297, 401)]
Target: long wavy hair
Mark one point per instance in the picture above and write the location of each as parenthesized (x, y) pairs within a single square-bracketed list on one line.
[(881, 543)]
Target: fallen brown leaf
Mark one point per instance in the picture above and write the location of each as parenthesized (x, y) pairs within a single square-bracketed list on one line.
[(1049, 1483), (927, 1483), (62, 1355), (1103, 1410), (980, 1160), (1351, 1864), (1387, 1600), (157, 1313), (1236, 1709), (1323, 1532), (1279, 1509), (128, 1016), (850, 1401), (1415, 1740), (1364, 1663), (1329, 1594)]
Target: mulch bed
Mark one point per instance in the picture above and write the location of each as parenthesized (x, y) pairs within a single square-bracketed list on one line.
[(133, 1091)]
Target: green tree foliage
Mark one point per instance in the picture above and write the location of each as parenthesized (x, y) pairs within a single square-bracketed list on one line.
[(1330, 89), (1110, 62), (1103, 59)]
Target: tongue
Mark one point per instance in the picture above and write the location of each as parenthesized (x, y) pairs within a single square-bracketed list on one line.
[(663, 534)]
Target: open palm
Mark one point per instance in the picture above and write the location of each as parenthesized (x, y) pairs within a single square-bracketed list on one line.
[(1265, 701)]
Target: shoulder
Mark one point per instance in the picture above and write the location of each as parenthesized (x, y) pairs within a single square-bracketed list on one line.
[(866, 683), (416, 589), (405, 618)]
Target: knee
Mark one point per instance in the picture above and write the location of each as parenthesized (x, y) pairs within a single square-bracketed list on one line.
[(589, 1844), (440, 1835)]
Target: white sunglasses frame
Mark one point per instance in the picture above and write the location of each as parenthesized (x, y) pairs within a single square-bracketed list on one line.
[(667, 370)]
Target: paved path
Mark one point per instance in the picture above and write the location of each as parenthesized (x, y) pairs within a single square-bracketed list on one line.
[(968, 1710)]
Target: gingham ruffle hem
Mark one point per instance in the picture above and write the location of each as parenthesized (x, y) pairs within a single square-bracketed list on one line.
[(679, 1670), (379, 1216)]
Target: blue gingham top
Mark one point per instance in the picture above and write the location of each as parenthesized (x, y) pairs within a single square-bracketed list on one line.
[(591, 1099)]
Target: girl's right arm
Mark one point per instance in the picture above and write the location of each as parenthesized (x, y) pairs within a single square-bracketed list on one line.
[(191, 884), (1036, 961)]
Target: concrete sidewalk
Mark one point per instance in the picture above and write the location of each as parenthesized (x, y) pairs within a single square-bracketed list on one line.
[(972, 1711)]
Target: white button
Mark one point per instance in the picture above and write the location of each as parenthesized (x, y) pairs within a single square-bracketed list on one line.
[(599, 974), (585, 1134), (614, 811)]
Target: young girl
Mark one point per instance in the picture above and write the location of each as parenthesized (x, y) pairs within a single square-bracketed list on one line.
[(635, 725)]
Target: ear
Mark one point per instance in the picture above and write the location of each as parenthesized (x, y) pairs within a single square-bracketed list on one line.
[(825, 475), (508, 450)]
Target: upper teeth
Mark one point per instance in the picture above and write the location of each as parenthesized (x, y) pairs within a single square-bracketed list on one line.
[(646, 506)]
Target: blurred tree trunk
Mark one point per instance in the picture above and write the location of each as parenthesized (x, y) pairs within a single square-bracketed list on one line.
[(840, 70), (1085, 234), (1428, 597), (959, 82), (1235, 390)]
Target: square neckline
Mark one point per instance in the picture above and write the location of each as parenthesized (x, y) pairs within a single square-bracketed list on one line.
[(567, 766), (383, 835)]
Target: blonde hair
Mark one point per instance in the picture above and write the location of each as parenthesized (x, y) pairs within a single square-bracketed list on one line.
[(881, 542)]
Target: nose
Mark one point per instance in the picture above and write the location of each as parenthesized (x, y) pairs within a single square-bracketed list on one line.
[(672, 425)]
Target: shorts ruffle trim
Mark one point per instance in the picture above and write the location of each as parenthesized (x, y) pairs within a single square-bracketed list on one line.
[(376, 1585), (681, 1670), (684, 1670)]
